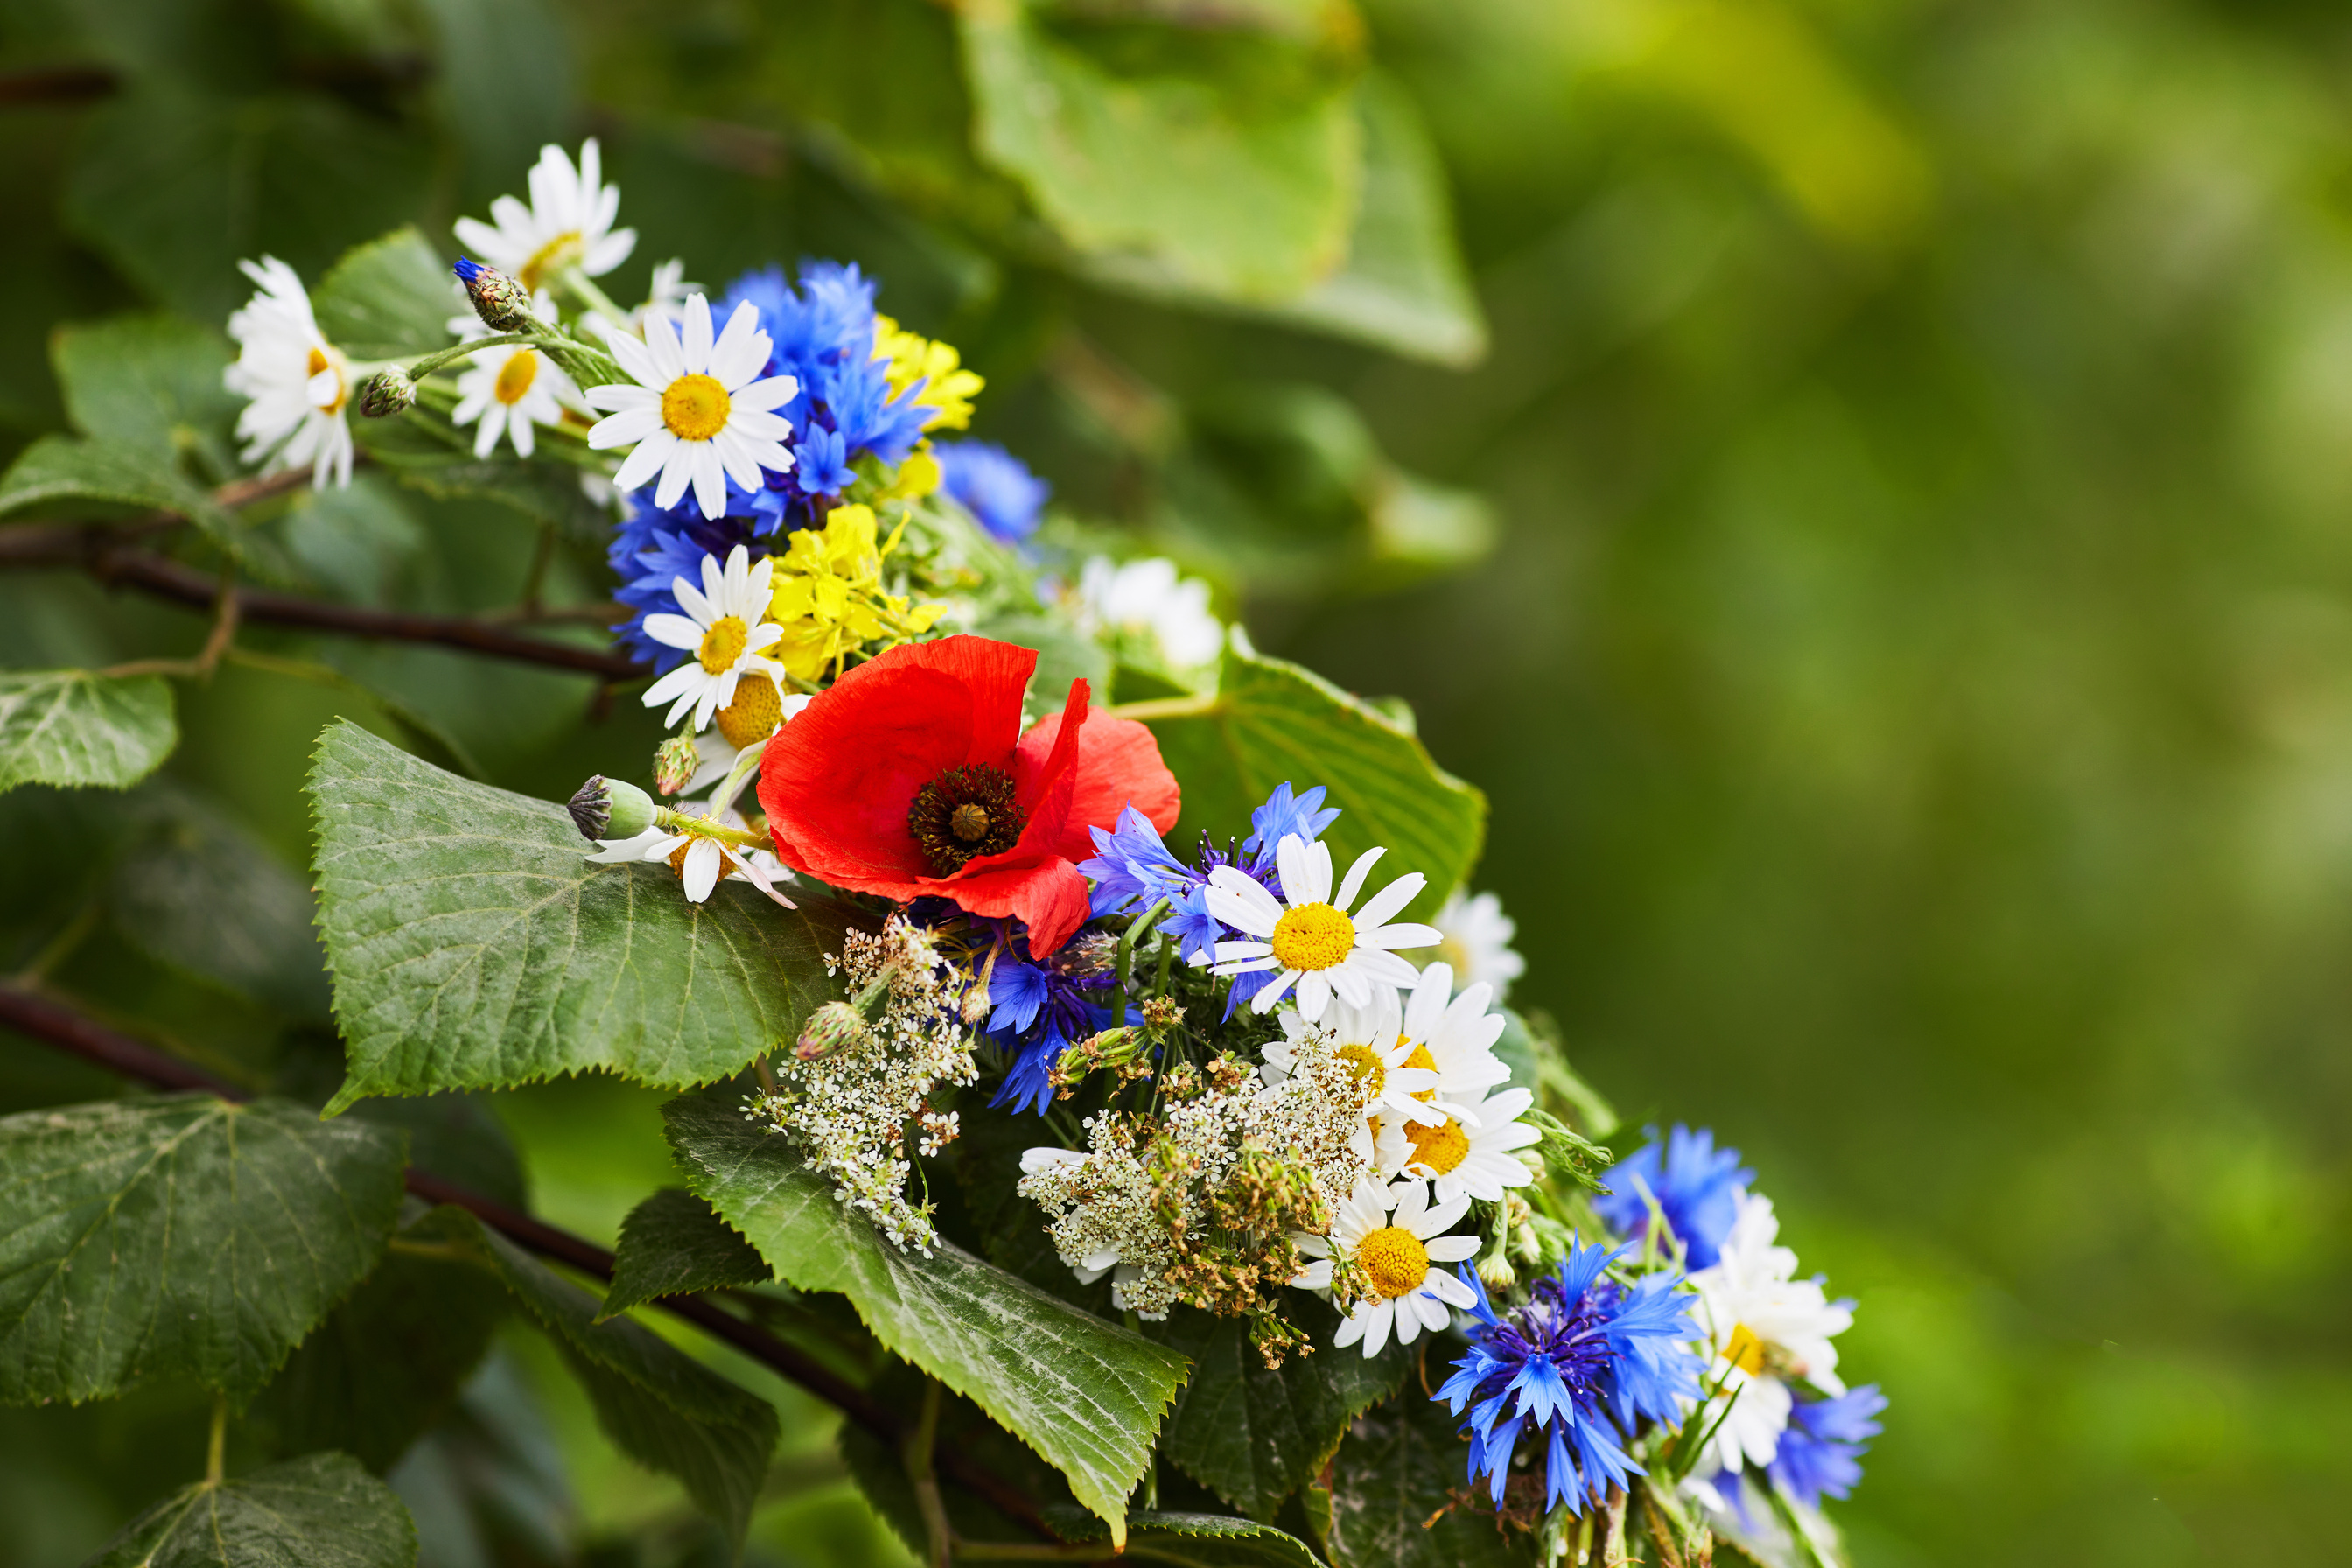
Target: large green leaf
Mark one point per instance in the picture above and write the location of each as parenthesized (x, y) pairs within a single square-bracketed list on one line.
[(1195, 1539), (389, 298), (1223, 160), (77, 729), (1255, 1437), (1086, 1394), (148, 381), (321, 1510), (1273, 721), (1393, 1475), (183, 1236), (673, 1244), (660, 1406), (473, 946), (57, 471)]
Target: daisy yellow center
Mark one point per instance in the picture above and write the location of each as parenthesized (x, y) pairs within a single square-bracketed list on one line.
[(1745, 1352), (1364, 1064), (695, 407), (515, 377), (1421, 1058), (1395, 1259), (1313, 936), (1442, 1148), (723, 644), (553, 257), (321, 359), (677, 856), (754, 714)]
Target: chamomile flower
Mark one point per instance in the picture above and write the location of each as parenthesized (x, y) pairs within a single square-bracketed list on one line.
[(1308, 935), (568, 224), (1467, 1150), (509, 391), (1395, 1251), (700, 412), (1768, 1330), (723, 629), (700, 863), (1148, 600), (1474, 936), (299, 384)]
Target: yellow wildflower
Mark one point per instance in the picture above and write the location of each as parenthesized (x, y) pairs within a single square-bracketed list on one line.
[(917, 477), (948, 389), (827, 595)]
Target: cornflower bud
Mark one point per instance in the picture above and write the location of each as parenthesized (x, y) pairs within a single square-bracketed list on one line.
[(388, 392), (830, 1028), (503, 304), (607, 808), (675, 761)]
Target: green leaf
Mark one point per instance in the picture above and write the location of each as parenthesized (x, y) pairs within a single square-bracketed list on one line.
[(1395, 1471), (321, 1510), (672, 1244), (389, 298), (1219, 162), (474, 947), (422, 450), (182, 1235), (1194, 1540), (79, 730), (659, 1406), (355, 540), (58, 469), (152, 382), (1255, 1437), (502, 76), (1085, 1395), (1273, 721)]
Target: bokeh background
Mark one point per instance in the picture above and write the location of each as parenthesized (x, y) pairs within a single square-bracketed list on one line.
[(1890, 570)]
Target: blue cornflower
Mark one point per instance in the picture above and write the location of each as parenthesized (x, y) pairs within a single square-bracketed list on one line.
[(650, 549), (1284, 815), (1132, 868), (1041, 1009), (993, 485), (821, 333), (1696, 1183), (821, 466), (1821, 1450), (1576, 1368)]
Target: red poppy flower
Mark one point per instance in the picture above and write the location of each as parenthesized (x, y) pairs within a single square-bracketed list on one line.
[(910, 776)]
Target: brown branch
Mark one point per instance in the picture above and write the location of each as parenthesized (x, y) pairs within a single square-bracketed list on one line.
[(46, 1019)]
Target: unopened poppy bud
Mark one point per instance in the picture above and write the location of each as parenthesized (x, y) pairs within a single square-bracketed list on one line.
[(607, 808), (829, 1029), (675, 763), (503, 304), (387, 391)]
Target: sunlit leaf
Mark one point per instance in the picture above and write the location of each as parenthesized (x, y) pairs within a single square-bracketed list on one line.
[(57, 471), (321, 1510), (152, 382), (79, 730), (389, 298)]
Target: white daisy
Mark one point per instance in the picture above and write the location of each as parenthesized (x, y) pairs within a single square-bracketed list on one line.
[(1149, 600), (699, 410), (1768, 1329), (723, 629), (510, 390), (759, 709), (1314, 941), (1395, 1251), (1469, 1150), (1401, 1088), (298, 381), (701, 863), (1474, 936), (568, 224)]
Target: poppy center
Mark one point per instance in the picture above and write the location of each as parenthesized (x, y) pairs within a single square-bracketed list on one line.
[(695, 407), (723, 644), (1395, 1259), (963, 814), (1313, 936), (554, 256), (515, 377), (755, 713), (1441, 1148)]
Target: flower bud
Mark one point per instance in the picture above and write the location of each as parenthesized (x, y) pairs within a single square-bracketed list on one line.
[(503, 304), (1494, 1271), (387, 391), (829, 1029), (675, 763), (607, 808)]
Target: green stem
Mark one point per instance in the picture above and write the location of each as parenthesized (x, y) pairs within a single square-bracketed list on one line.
[(703, 827), (917, 1455), (578, 283), (1168, 708), (440, 358), (217, 1448), (1127, 938)]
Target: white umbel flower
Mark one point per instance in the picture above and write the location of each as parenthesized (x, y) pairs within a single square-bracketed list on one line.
[(1395, 1251), (1468, 1151), (1309, 935), (1397, 1088), (1768, 1329), (722, 629), (568, 224), (1148, 599), (299, 384), (699, 411), (1474, 936)]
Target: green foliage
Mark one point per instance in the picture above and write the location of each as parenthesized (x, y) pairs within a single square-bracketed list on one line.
[(659, 1406), (1255, 1437), (319, 1512), (80, 731), (180, 1236), (1195, 1539), (388, 298), (1273, 721), (57, 469), (1394, 1473), (673, 1244), (150, 381), (1085, 1394), (474, 947)]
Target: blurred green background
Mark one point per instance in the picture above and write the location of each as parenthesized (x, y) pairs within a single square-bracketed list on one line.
[(1906, 635)]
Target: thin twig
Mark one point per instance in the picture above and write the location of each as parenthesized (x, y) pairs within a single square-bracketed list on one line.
[(216, 1446), (916, 1451)]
